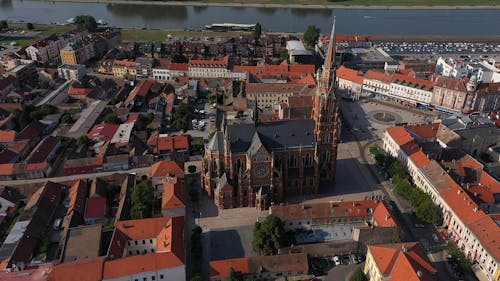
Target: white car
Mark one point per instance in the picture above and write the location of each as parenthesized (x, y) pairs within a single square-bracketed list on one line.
[(57, 224), (336, 260)]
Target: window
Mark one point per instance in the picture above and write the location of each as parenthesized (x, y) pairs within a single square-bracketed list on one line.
[(143, 242), (136, 243), (161, 276), (153, 277)]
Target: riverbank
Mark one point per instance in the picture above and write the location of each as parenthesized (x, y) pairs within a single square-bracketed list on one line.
[(148, 35), (316, 4)]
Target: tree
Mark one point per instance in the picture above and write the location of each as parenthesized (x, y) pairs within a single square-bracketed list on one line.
[(428, 211), (3, 24), (179, 58), (235, 275), (83, 141), (358, 275), (86, 22), (397, 169), (311, 35), (67, 118), (30, 26), (268, 236), (284, 55), (112, 117), (142, 201), (196, 277), (257, 32)]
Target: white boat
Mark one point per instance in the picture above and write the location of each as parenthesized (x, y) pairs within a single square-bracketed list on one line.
[(101, 22), (70, 20)]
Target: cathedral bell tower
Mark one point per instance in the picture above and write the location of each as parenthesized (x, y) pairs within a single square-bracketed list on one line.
[(326, 115)]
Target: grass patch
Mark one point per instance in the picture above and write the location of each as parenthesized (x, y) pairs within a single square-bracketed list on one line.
[(41, 31), (148, 35), (367, 2)]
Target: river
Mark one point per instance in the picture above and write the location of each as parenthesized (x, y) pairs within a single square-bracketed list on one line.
[(349, 21)]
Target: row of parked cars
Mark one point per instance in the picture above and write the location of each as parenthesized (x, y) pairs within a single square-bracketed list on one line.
[(348, 259)]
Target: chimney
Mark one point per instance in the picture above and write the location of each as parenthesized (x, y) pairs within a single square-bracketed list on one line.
[(475, 209), (419, 273), (403, 248), (459, 191)]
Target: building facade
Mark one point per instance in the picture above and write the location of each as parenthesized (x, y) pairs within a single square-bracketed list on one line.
[(257, 164), (72, 71)]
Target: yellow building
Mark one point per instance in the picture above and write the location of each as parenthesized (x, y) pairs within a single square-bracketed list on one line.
[(396, 262), (73, 53), (124, 69)]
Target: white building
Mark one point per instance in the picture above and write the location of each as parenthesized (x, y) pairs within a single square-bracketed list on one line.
[(451, 68), (377, 83), (411, 91), (72, 71), (209, 68), (168, 70), (475, 232), (48, 49)]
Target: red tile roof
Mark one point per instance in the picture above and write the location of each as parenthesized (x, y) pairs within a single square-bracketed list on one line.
[(77, 195), (166, 169), (141, 90), (451, 83), (402, 261), (220, 269), (350, 74), (103, 131), (382, 216), (96, 208), (83, 270), (210, 63), (30, 273), (323, 210), (414, 81), (174, 194), (378, 75), (171, 143), (140, 264), (76, 89), (425, 131), (124, 63), (8, 136), (399, 135)]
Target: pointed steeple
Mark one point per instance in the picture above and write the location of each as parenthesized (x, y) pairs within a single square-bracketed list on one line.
[(330, 55)]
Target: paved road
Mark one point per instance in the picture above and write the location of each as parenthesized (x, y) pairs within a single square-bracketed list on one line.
[(75, 177)]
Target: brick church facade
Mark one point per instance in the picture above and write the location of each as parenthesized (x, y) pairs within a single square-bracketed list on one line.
[(258, 164)]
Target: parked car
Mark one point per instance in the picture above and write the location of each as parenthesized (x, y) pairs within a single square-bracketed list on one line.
[(419, 225), (354, 259), (435, 237), (336, 260), (57, 224)]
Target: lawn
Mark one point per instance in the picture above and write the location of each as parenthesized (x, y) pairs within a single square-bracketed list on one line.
[(147, 35), (366, 2), (42, 30)]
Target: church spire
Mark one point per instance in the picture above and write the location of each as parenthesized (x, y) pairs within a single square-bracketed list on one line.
[(330, 56)]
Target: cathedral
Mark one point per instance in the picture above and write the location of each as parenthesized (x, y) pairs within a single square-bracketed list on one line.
[(262, 163)]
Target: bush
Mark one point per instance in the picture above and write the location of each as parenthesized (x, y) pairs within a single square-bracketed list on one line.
[(192, 169), (3, 24), (358, 275), (142, 201), (29, 26), (464, 264)]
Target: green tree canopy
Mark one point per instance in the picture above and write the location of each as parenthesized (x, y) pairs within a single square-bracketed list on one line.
[(142, 201), (235, 275), (83, 141), (86, 22), (258, 31), (358, 275), (3, 24), (30, 26), (311, 36), (268, 236), (112, 117)]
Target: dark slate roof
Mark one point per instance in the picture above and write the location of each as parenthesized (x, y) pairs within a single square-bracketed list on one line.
[(273, 135), (285, 134), (240, 136)]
